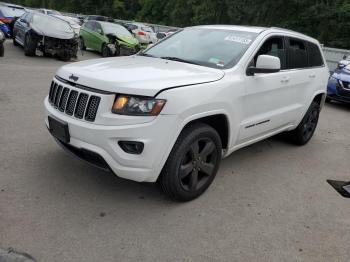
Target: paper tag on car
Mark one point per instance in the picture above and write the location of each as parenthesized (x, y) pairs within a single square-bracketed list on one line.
[(238, 39)]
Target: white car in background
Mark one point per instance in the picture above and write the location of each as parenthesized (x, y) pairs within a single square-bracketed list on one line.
[(345, 62), (143, 33), (73, 22), (170, 113), (49, 11)]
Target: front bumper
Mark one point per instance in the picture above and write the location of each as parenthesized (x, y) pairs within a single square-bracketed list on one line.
[(336, 92), (102, 140)]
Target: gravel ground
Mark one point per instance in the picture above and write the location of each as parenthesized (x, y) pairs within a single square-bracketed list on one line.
[(269, 202)]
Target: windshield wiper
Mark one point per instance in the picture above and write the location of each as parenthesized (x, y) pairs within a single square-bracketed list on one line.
[(177, 59), (144, 54)]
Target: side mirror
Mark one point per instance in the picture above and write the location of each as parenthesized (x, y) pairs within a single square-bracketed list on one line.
[(265, 64), (161, 35), (23, 21), (99, 31)]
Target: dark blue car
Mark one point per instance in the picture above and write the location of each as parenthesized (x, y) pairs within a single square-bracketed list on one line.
[(339, 85)]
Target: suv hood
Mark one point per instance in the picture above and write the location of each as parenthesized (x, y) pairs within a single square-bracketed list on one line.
[(137, 75)]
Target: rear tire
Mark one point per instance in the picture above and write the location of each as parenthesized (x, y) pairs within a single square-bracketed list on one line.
[(192, 164), (82, 44), (29, 46), (2, 49), (306, 129)]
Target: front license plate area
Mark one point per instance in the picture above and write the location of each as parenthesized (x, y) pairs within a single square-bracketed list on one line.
[(59, 130)]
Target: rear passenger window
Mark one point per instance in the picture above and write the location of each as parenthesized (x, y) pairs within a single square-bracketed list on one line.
[(315, 56), (273, 47), (297, 54)]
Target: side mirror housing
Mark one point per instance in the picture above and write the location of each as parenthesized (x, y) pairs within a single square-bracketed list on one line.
[(161, 35), (265, 64)]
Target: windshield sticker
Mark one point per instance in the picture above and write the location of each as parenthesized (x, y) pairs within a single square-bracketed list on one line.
[(238, 39), (216, 61)]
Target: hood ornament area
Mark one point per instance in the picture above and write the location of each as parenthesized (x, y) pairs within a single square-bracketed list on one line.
[(73, 78)]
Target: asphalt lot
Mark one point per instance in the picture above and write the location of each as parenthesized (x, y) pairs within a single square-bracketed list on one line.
[(269, 202)]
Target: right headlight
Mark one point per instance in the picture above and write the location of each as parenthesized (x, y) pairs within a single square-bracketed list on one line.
[(137, 105)]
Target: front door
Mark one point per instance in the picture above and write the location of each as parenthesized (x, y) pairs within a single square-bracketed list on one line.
[(271, 99)]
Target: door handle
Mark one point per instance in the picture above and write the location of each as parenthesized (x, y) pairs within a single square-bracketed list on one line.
[(285, 79), (312, 76)]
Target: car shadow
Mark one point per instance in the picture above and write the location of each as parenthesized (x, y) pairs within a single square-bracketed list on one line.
[(339, 105)]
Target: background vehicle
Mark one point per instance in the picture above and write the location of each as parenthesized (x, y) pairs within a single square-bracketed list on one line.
[(5, 29), (339, 85), (2, 40), (48, 34), (49, 12), (344, 62), (170, 113), (99, 18), (108, 38), (73, 22), (143, 33), (9, 13)]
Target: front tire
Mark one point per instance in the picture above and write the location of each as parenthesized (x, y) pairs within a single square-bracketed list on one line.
[(106, 52), (306, 129), (29, 46), (192, 164)]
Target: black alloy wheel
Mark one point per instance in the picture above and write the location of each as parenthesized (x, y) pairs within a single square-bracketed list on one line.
[(306, 129), (198, 164), (192, 164)]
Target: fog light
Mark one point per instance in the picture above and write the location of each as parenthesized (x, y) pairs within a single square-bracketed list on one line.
[(131, 147)]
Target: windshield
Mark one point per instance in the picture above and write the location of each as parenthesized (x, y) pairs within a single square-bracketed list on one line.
[(147, 29), (52, 23), (109, 28), (214, 48), (12, 11), (53, 12)]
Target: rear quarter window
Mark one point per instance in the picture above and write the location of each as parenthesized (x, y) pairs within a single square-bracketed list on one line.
[(315, 56)]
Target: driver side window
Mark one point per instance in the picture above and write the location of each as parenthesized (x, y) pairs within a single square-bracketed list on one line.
[(274, 46), (97, 28)]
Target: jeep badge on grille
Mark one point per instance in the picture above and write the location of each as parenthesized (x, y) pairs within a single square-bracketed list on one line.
[(74, 78)]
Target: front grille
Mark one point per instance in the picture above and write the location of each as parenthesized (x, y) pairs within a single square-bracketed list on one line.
[(73, 103), (343, 90)]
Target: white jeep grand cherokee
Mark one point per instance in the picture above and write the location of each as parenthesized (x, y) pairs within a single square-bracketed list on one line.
[(170, 113)]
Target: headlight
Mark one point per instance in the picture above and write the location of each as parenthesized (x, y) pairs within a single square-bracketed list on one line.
[(137, 105)]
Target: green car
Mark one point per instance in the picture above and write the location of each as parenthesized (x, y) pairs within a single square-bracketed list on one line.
[(108, 38)]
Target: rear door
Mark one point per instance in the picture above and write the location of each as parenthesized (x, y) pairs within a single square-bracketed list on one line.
[(302, 75), (272, 100)]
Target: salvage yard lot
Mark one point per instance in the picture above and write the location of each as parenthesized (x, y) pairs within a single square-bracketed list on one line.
[(269, 202)]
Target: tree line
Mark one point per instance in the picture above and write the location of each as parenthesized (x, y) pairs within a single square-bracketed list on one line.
[(326, 20)]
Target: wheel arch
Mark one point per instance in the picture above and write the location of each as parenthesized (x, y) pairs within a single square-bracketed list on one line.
[(218, 121), (320, 98)]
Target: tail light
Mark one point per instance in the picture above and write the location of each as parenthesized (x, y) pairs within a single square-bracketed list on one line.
[(141, 33), (5, 20)]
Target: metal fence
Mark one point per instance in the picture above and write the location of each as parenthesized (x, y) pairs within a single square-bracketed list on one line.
[(334, 55)]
